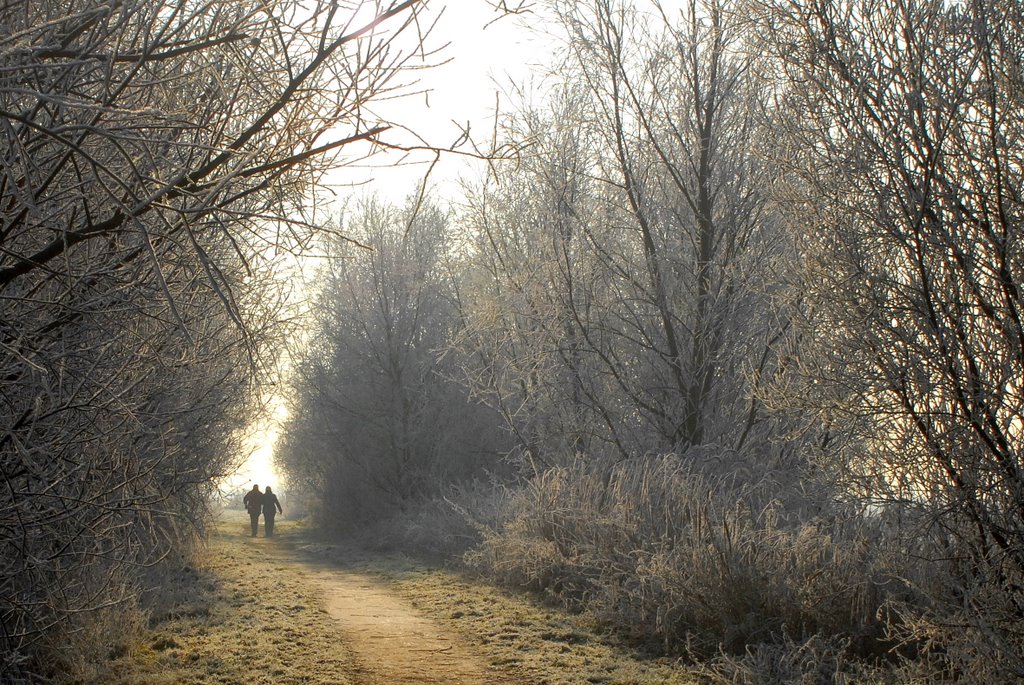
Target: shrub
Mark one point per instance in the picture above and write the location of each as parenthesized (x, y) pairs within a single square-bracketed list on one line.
[(440, 528), (681, 560)]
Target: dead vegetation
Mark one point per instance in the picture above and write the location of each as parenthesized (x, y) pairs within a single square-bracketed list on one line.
[(688, 564)]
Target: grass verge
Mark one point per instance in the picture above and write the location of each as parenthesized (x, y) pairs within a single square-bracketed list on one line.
[(527, 639), (235, 616)]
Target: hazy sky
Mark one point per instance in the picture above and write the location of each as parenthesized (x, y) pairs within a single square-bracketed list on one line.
[(485, 53)]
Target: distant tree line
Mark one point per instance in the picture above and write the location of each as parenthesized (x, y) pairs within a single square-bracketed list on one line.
[(380, 418), (158, 159), (744, 323)]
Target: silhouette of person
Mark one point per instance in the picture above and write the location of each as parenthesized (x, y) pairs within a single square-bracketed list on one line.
[(269, 502), (253, 502)]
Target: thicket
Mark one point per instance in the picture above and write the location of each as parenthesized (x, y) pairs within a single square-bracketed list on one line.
[(158, 160), (668, 554), (746, 316), (379, 419)]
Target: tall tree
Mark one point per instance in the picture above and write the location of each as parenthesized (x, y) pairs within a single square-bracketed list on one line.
[(380, 421), (532, 288), (642, 250), (910, 189)]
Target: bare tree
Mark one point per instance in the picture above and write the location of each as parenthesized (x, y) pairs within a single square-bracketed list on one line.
[(532, 286), (908, 177), (156, 157), (379, 420), (640, 277)]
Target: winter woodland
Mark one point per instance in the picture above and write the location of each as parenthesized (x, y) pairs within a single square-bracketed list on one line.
[(724, 345)]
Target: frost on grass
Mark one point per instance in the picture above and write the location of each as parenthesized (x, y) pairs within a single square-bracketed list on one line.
[(236, 617)]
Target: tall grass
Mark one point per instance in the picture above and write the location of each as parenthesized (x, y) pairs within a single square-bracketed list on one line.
[(688, 563), (749, 584)]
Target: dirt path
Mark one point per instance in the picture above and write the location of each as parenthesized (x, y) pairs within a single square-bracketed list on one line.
[(391, 642), (294, 611), (387, 639)]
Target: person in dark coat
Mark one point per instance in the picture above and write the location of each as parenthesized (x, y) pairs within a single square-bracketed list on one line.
[(269, 502), (253, 502)]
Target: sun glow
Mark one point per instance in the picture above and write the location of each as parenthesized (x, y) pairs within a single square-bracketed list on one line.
[(258, 467)]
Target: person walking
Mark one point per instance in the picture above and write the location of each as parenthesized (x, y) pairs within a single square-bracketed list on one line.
[(253, 502), (269, 502)]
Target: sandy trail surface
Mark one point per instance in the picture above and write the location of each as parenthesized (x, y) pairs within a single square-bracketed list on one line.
[(388, 640)]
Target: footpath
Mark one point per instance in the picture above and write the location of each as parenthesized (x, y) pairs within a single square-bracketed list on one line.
[(294, 610)]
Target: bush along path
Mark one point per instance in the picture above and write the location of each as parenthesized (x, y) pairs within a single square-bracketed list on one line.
[(292, 609)]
